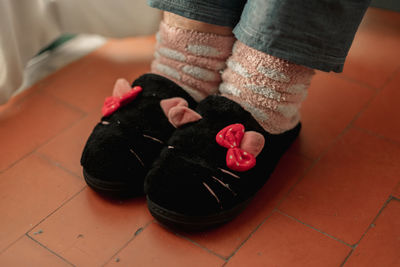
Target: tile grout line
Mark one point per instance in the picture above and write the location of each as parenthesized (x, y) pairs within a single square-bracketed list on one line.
[(54, 211), (64, 103), (201, 246), (19, 102), (361, 111), (34, 91), (11, 244), (395, 198), (303, 155), (313, 162), (344, 77), (43, 144), (377, 135), (249, 236), (59, 207), (137, 232), (57, 164), (60, 101), (52, 252), (316, 229), (306, 171), (390, 198), (367, 230), (18, 160), (371, 87), (375, 94), (44, 218), (347, 257)]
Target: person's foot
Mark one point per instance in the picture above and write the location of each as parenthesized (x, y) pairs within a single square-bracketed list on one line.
[(212, 167), (130, 135)]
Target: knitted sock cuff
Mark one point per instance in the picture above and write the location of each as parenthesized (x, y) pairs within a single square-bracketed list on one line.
[(191, 58), (197, 43), (270, 88)]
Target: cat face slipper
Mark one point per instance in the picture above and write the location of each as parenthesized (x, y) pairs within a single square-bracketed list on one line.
[(215, 162), (130, 135)]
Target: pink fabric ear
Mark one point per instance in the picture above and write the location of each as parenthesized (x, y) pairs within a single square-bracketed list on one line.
[(167, 104), (180, 115), (177, 111), (121, 87), (252, 142)]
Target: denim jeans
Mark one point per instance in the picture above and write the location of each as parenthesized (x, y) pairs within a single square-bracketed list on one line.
[(313, 33)]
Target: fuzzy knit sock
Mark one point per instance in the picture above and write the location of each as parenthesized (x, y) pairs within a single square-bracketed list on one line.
[(191, 58), (271, 89)]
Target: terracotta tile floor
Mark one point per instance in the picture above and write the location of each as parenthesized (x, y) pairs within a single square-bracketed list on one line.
[(334, 199)]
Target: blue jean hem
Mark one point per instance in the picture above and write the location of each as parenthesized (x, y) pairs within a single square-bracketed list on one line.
[(200, 12), (289, 50)]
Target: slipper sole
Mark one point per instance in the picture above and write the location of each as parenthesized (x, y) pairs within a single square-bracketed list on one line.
[(188, 223), (109, 189)]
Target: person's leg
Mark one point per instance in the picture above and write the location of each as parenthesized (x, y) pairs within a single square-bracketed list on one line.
[(194, 41), (312, 33), (270, 88), (178, 21), (215, 165), (192, 53), (274, 57)]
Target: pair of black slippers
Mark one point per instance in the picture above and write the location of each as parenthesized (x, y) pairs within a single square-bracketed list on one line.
[(199, 164)]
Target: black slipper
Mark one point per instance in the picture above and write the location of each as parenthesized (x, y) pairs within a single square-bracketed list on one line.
[(205, 177), (124, 144)]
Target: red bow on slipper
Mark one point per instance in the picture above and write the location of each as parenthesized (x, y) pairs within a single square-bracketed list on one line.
[(243, 147), (122, 95)]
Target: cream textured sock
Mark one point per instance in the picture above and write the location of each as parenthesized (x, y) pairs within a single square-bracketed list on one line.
[(271, 89), (191, 58)]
